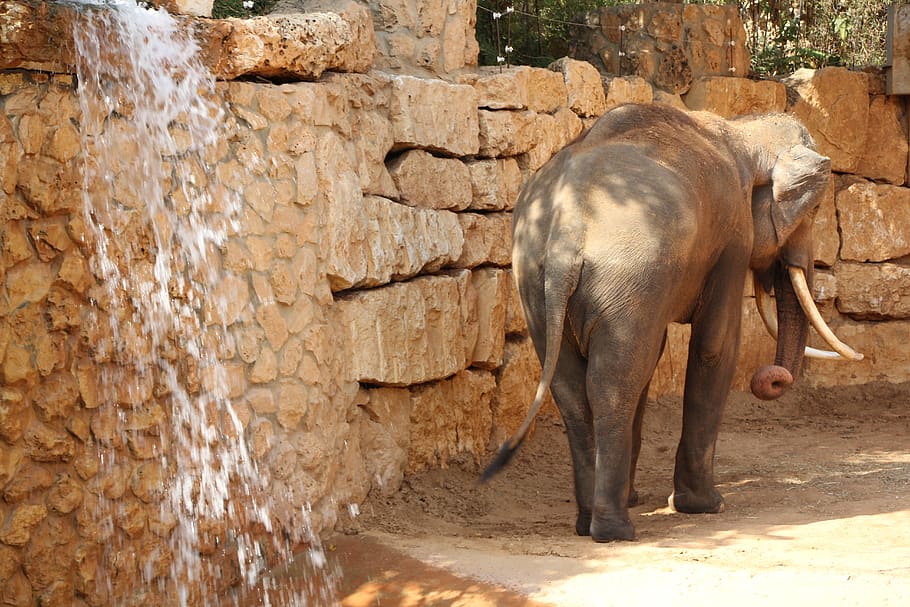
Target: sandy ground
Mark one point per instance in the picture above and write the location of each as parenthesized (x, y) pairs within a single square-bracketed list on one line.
[(817, 489)]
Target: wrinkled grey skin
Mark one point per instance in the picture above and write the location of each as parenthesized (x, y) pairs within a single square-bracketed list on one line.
[(649, 218)]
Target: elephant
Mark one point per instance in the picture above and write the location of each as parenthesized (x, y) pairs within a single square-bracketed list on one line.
[(655, 215)]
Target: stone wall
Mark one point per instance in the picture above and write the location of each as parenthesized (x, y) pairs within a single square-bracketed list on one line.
[(671, 45), (374, 328)]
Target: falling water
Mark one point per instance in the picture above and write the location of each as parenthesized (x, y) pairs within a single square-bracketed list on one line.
[(152, 131)]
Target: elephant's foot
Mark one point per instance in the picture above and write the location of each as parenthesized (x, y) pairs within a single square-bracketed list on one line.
[(612, 529), (689, 502), (634, 498), (583, 524)]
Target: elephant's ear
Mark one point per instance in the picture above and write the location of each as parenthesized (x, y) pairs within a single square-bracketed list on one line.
[(799, 178)]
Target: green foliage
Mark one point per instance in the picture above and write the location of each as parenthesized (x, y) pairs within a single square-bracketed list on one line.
[(223, 9), (783, 35), (786, 35)]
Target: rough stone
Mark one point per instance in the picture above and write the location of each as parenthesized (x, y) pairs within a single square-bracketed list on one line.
[(46, 444), (583, 85), (731, 97), (505, 133), (13, 414), (874, 221), (516, 385), (487, 239), (299, 45), (491, 287), (833, 103), (30, 480), (495, 184), (18, 527), (65, 496), (553, 133), (434, 115), (885, 358), (384, 240), (385, 434), (499, 89), (57, 397), (627, 89), (873, 291), (425, 181), (515, 323), (408, 333), (49, 554), (885, 155), (825, 235), (439, 431)]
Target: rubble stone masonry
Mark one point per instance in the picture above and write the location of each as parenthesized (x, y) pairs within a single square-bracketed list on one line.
[(374, 328)]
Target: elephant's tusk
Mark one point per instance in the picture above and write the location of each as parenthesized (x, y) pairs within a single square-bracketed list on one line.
[(769, 318), (798, 280)]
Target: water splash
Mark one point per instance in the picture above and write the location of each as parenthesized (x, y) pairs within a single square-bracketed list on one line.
[(152, 131)]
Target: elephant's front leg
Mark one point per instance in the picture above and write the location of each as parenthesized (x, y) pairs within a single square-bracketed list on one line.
[(713, 351)]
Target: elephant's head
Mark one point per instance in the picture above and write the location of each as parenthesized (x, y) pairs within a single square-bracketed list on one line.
[(783, 210)]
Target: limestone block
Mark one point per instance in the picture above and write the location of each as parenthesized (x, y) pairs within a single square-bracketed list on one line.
[(18, 365), (547, 91), (515, 323), (10, 560), (56, 398), (627, 89), (10, 152), (426, 181), (731, 97), (48, 557), (17, 529), (410, 332), (65, 496), (458, 48), (833, 103), (281, 45), (9, 463), (885, 155), (434, 115), (494, 184), (30, 480), (28, 282), (825, 236), (583, 85), (383, 240), (492, 289), (499, 88), (372, 136), (886, 348), (873, 290), (874, 221), (46, 444), (487, 239), (440, 431), (14, 414), (75, 273), (516, 385), (554, 132), (16, 246), (17, 591), (385, 435), (196, 8), (506, 133)]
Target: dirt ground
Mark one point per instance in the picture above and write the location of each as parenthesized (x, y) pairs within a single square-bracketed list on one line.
[(817, 490)]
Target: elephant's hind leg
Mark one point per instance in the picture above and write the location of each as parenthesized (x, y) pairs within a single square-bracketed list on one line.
[(620, 365), (568, 392)]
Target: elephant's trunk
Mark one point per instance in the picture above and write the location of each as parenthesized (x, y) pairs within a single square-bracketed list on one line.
[(772, 381)]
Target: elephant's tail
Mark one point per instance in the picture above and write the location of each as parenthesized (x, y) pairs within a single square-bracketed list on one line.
[(563, 270)]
